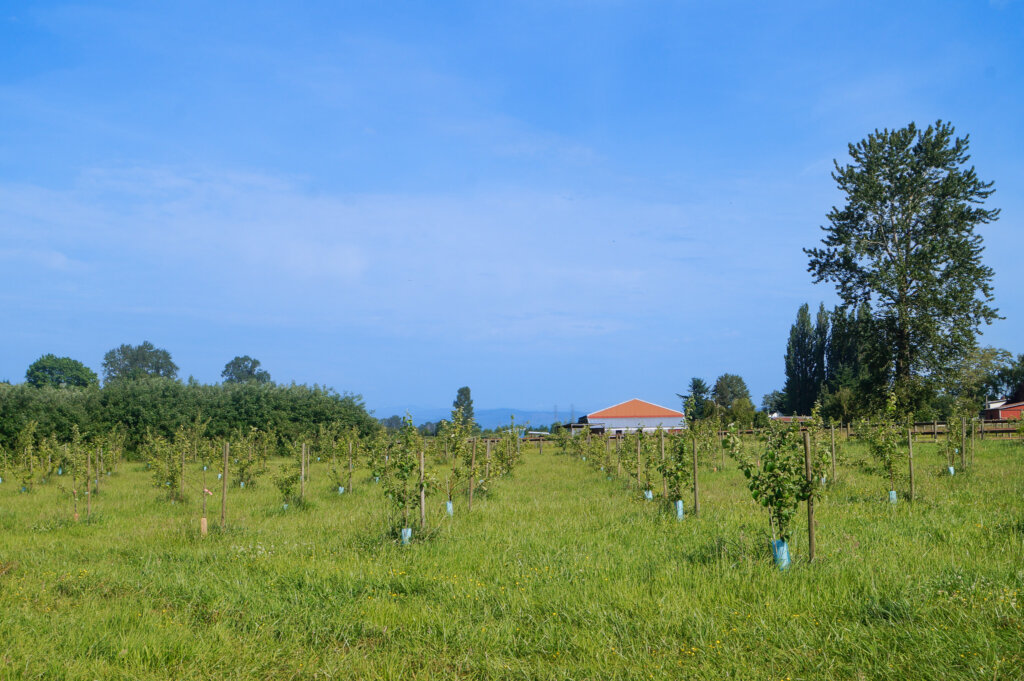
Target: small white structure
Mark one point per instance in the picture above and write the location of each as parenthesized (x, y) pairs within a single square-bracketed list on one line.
[(633, 415)]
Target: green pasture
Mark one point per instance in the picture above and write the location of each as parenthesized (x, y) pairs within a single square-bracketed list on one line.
[(558, 573)]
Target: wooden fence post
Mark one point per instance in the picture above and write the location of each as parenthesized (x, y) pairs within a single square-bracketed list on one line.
[(224, 487), (696, 490), (910, 462), (487, 463), (810, 499), (935, 431)]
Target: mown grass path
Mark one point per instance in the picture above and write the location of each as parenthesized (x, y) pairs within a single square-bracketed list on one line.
[(558, 573)]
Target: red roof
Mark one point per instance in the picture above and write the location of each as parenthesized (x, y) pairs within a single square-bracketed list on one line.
[(634, 409)]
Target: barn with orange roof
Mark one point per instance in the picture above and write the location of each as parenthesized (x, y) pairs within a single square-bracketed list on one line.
[(631, 416)]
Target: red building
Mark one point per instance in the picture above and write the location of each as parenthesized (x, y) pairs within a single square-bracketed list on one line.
[(1009, 412)]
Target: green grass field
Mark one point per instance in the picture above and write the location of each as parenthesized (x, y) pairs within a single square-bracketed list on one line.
[(557, 574)]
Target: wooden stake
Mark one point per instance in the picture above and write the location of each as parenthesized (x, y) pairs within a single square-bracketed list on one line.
[(472, 475), (202, 520), (639, 485), (423, 494), (973, 428), (664, 478), (810, 499), (910, 462), (302, 473), (487, 462), (224, 487), (833, 453), (349, 488), (696, 490), (88, 483), (963, 442), (181, 480)]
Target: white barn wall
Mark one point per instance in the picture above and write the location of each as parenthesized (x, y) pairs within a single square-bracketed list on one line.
[(648, 424)]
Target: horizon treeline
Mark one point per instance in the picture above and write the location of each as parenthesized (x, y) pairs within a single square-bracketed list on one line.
[(141, 395), (840, 361)]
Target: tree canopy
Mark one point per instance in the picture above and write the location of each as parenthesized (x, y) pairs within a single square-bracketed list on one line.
[(59, 372), (131, 362), (244, 369), (905, 244), (464, 401)]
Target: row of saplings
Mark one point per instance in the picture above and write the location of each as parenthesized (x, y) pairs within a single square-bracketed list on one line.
[(795, 462), (398, 461)]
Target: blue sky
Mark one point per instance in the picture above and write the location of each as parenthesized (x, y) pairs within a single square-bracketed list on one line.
[(551, 202)]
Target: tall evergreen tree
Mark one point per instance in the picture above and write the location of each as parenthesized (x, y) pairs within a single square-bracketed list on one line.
[(800, 388), (464, 401)]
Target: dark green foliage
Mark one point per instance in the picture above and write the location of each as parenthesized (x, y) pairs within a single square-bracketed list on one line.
[(464, 405), (905, 244), (60, 372), (160, 405), (696, 403), (780, 484), (244, 369), (728, 389), (132, 362), (801, 387)]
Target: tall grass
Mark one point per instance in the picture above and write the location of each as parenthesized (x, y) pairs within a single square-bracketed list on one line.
[(558, 573)]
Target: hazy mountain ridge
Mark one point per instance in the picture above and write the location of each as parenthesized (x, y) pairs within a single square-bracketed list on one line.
[(487, 418)]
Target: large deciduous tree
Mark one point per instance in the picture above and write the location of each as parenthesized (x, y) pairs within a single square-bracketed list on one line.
[(905, 244), (729, 388), (129, 362), (59, 372), (244, 369)]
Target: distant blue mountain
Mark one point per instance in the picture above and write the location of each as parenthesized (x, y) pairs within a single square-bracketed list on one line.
[(487, 418)]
